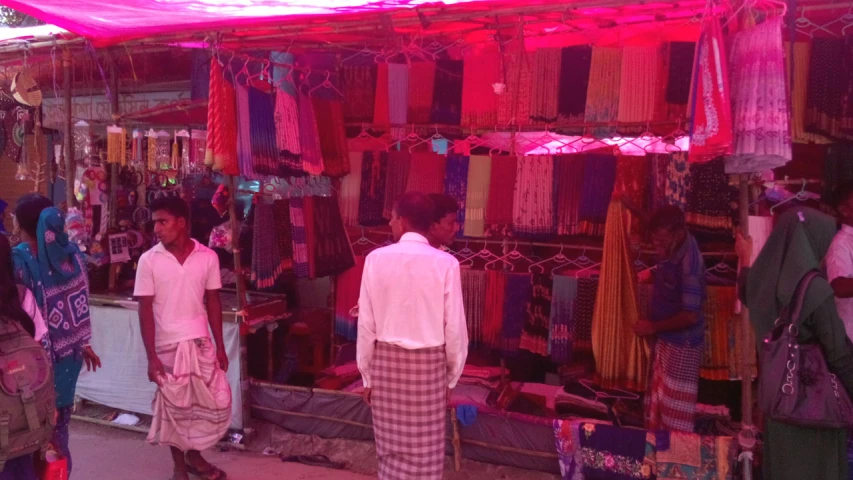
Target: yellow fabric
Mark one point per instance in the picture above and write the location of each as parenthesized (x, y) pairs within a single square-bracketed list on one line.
[(479, 178), (621, 357), (117, 147), (152, 154)]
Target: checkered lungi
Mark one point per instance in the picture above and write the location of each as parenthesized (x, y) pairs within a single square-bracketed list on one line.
[(673, 385), (409, 403)]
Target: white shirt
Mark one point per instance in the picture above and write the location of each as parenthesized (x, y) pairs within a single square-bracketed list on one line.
[(839, 264), (178, 290), (411, 297)]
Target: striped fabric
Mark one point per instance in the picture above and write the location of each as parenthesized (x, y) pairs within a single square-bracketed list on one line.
[(670, 402), (300, 237)]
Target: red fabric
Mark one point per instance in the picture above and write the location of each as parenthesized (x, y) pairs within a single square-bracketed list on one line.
[(421, 87), (494, 315), (711, 133), (310, 235), (501, 190), (221, 150), (381, 108), (426, 173)]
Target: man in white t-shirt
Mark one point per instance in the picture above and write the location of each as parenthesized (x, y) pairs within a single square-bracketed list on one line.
[(839, 257), (192, 406)]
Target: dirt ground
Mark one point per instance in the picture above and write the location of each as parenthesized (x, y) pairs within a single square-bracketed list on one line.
[(104, 453)]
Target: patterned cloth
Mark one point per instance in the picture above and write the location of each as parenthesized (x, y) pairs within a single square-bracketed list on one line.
[(574, 82), (374, 168), (533, 204), (399, 165), (287, 134), (679, 181), (615, 453), (537, 319), (710, 105), (827, 86), (359, 88), (267, 263), (192, 406), (514, 104), (447, 95), (284, 236), (427, 173), (244, 134), (567, 188), (518, 292), (499, 211), (409, 404), (456, 183), (709, 201), (421, 87), (582, 318), (309, 135), (477, 195), (333, 138), (632, 179), (761, 119), (347, 289), (605, 80), (670, 402), (333, 252), (599, 179), (564, 292), (494, 312), (638, 89), (300, 237), (696, 457), (544, 93), (474, 294), (262, 132)]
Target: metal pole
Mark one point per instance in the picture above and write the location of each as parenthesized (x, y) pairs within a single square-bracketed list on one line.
[(68, 147), (747, 434)]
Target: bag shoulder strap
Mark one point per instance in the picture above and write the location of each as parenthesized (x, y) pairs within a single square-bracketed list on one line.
[(800, 295)]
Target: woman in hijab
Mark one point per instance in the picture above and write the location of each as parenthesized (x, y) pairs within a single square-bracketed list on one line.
[(797, 246)]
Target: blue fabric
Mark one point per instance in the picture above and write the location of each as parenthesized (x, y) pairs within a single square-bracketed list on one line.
[(456, 184), (467, 414), (679, 285), (61, 435), (562, 307), (518, 292)]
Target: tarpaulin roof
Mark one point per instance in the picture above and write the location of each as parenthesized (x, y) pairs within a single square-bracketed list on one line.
[(30, 33), (120, 20)]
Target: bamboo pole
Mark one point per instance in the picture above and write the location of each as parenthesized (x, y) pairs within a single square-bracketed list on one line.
[(746, 438), (114, 169), (241, 299), (457, 444), (68, 148)]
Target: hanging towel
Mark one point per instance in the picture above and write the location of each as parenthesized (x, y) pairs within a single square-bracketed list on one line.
[(679, 183), (267, 263), (426, 174), (621, 357), (514, 103), (421, 87), (332, 137), (359, 89), (567, 187), (638, 84), (447, 95), (398, 97), (499, 212), (709, 201), (347, 289), (333, 253), (262, 132), (710, 105), (312, 156), (374, 170), (828, 81), (351, 190), (599, 179), (456, 183), (574, 82), (602, 97), (287, 134), (494, 312), (544, 93), (679, 73), (537, 319), (760, 116), (221, 151), (516, 296), (533, 204), (399, 163), (479, 102), (477, 195), (474, 295), (381, 100), (564, 292)]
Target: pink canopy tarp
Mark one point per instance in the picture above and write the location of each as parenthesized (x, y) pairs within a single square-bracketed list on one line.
[(115, 21)]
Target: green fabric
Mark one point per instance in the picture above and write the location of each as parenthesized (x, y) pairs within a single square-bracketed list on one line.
[(796, 246)]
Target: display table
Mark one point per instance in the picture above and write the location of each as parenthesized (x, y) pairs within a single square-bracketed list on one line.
[(123, 383)]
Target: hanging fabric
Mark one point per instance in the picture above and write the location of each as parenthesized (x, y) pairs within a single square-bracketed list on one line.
[(287, 134), (602, 97), (828, 84), (117, 145), (516, 296), (563, 294), (399, 165), (710, 105), (309, 135), (333, 137), (482, 69), (347, 290), (621, 357), (537, 319), (679, 73), (283, 232), (221, 151), (599, 179), (421, 88), (659, 166), (582, 320), (398, 97), (638, 84), (426, 174), (474, 295), (194, 152), (632, 179), (710, 198), (575, 67), (500, 209), (514, 103), (267, 263), (679, 183), (545, 90), (799, 89), (380, 104), (351, 190), (533, 206), (494, 313), (447, 94), (838, 167), (333, 253), (244, 134), (371, 200), (359, 89), (761, 118), (311, 239), (567, 188), (265, 157), (721, 324), (456, 183), (299, 236), (477, 195)]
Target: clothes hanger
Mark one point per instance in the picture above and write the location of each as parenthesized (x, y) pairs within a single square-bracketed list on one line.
[(464, 252), (559, 258), (801, 196), (326, 84), (513, 256), (484, 254), (364, 241), (436, 136), (364, 52)]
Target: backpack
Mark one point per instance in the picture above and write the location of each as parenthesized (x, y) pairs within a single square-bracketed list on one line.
[(27, 396)]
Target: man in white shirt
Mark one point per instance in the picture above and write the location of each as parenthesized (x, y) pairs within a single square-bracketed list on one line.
[(839, 258), (192, 406), (412, 343)]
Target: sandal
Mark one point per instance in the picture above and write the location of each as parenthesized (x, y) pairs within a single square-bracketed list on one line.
[(212, 474)]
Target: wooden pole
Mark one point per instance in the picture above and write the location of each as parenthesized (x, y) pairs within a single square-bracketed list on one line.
[(241, 298), (747, 435), (113, 223), (457, 444), (68, 147)]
